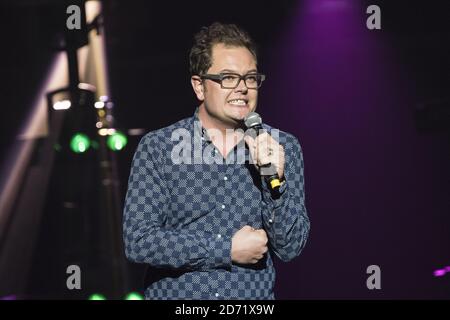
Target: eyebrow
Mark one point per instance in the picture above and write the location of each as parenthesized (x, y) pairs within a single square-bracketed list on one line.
[(234, 71)]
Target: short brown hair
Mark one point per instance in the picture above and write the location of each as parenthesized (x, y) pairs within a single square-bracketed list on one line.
[(200, 55)]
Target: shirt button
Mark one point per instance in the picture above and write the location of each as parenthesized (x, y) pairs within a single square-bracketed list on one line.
[(219, 236), (270, 221), (216, 294), (223, 206), (225, 178)]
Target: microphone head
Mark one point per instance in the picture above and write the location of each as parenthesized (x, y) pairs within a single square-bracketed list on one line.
[(252, 119)]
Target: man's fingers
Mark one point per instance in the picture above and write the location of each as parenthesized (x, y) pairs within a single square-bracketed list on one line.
[(260, 141), (265, 151), (263, 235), (250, 142), (264, 136), (264, 161), (264, 147), (260, 231)]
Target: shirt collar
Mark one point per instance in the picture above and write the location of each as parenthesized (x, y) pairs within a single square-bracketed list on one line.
[(201, 133), (199, 130)]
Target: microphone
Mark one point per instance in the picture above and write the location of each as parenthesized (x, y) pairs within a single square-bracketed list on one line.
[(253, 121)]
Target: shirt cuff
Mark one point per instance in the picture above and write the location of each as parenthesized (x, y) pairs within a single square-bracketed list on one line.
[(219, 252), (275, 198)]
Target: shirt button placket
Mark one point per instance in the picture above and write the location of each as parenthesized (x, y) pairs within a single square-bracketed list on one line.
[(225, 178)]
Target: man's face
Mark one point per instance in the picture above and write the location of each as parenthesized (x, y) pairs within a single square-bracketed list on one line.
[(230, 106)]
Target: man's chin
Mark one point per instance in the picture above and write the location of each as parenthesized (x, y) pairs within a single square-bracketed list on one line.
[(239, 112), (237, 120)]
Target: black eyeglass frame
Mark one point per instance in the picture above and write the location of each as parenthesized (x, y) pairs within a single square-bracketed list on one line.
[(219, 78)]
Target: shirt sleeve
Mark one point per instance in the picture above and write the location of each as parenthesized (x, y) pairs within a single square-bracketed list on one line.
[(284, 215), (147, 237)]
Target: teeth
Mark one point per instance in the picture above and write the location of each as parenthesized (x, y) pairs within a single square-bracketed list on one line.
[(237, 102)]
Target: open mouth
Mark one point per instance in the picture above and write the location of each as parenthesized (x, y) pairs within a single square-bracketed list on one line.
[(238, 102)]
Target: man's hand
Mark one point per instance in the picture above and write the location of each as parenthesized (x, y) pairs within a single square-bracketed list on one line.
[(266, 150), (248, 245)]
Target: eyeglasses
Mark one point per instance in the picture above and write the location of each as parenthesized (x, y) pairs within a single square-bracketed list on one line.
[(232, 80)]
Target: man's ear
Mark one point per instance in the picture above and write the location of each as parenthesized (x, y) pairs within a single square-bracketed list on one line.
[(197, 85)]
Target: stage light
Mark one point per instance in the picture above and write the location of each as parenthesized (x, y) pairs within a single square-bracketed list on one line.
[(134, 296), (80, 143), (99, 104), (441, 272), (62, 105), (97, 296), (117, 141), (62, 98), (103, 132)]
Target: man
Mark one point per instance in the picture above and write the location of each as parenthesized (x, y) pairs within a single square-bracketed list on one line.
[(208, 229)]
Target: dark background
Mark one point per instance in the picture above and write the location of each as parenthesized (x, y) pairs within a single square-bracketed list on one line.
[(370, 108)]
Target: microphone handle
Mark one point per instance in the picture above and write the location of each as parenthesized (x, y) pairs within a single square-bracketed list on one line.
[(272, 180)]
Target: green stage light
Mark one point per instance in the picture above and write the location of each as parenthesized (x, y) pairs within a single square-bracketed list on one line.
[(117, 141), (134, 296), (97, 296), (79, 143)]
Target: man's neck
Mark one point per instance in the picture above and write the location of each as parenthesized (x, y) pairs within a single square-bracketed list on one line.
[(209, 122)]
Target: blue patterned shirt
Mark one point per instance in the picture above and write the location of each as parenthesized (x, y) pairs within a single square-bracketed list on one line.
[(179, 218)]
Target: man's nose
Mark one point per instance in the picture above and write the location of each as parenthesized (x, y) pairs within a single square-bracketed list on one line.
[(241, 86)]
